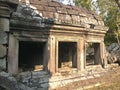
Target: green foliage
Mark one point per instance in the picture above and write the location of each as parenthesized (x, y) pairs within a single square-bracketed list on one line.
[(109, 11), (84, 3)]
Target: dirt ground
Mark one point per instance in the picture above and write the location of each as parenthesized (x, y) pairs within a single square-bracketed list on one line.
[(109, 80), (112, 79)]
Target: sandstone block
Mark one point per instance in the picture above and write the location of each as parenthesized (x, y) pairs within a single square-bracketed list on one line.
[(3, 64), (3, 38), (4, 24), (3, 51)]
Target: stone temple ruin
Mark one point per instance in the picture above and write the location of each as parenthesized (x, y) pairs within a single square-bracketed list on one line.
[(47, 36)]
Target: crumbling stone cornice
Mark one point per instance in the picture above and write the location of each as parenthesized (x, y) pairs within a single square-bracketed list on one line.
[(41, 12), (7, 7)]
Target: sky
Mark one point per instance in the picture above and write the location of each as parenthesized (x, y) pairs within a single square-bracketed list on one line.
[(67, 2)]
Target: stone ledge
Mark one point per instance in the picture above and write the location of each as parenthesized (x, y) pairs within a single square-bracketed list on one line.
[(11, 1)]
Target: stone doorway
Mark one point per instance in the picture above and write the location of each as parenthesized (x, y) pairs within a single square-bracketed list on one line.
[(31, 55), (93, 54), (67, 55)]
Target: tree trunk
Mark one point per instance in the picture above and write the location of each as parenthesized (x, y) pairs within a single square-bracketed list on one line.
[(118, 3)]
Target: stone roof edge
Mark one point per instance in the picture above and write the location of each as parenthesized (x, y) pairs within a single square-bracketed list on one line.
[(43, 20)]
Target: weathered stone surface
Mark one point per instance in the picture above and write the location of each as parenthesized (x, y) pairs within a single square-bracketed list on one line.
[(48, 14), (24, 87), (76, 19), (72, 12), (3, 64), (45, 85), (8, 82), (50, 9), (3, 38), (113, 53), (112, 47), (59, 11), (54, 4), (4, 24), (3, 51), (10, 1), (4, 10), (41, 8)]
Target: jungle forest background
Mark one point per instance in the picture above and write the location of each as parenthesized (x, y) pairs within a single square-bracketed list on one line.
[(109, 11)]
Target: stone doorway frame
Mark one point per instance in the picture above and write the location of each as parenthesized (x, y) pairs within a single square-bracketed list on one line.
[(13, 51), (80, 51), (100, 53)]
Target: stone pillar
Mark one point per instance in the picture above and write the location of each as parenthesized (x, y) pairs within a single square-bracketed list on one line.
[(46, 56), (74, 57), (80, 61), (4, 28), (56, 55), (5, 6), (13, 55), (103, 55), (97, 53), (4, 24), (85, 48), (52, 62)]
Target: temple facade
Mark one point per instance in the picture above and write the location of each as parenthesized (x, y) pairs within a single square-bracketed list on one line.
[(43, 35)]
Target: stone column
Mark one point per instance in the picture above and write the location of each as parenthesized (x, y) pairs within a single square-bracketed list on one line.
[(46, 56), (13, 55), (80, 61), (74, 56), (4, 28), (56, 55), (5, 6), (52, 62), (103, 55), (85, 48), (97, 53)]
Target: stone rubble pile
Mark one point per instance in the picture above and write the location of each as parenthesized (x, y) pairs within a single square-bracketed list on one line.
[(113, 53), (9, 82)]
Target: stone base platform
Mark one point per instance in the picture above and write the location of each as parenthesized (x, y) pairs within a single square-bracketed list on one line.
[(42, 80)]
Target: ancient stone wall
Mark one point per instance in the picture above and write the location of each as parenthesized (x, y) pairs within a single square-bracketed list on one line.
[(5, 11)]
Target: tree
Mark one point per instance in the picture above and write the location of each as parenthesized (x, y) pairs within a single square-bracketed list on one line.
[(84, 3), (118, 3), (109, 10)]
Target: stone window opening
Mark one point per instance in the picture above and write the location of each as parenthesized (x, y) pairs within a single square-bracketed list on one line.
[(31, 55), (67, 55), (93, 54)]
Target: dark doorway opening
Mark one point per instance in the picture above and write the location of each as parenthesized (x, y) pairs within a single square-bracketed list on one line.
[(31, 55), (67, 57), (93, 54)]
